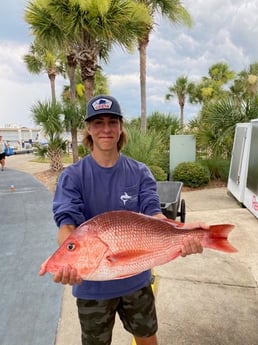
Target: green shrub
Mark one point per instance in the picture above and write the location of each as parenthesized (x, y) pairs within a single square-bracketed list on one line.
[(219, 168), (192, 174), (40, 150), (82, 151), (158, 173), (148, 148)]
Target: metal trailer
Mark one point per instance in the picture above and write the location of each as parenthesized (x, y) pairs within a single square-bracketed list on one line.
[(169, 193)]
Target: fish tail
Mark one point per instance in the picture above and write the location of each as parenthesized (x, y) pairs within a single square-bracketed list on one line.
[(218, 238)]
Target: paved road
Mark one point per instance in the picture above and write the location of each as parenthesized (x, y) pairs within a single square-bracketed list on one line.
[(30, 305)]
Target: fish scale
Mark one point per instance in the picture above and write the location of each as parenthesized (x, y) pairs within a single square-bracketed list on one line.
[(119, 244)]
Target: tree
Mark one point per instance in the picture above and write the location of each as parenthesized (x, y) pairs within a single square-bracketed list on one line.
[(180, 89), (221, 73), (74, 117), (48, 115), (246, 83), (88, 28), (176, 13), (40, 59), (101, 87), (217, 123), (213, 86)]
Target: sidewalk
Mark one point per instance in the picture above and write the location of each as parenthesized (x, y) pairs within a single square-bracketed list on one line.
[(208, 299)]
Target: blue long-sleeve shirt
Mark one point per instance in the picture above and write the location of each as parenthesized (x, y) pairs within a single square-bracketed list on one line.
[(86, 189)]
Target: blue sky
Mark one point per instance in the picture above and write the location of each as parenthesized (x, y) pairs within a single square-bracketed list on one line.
[(223, 31)]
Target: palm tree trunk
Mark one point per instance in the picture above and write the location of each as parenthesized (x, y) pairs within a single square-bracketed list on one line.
[(89, 88), (71, 61), (74, 145), (182, 115), (142, 51), (71, 72), (55, 156), (52, 79)]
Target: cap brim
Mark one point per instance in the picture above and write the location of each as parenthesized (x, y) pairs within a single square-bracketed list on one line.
[(103, 113)]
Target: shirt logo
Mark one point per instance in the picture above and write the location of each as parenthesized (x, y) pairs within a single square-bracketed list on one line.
[(102, 103), (125, 197)]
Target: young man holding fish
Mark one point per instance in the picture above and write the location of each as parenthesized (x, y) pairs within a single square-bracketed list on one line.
[(104, 181)]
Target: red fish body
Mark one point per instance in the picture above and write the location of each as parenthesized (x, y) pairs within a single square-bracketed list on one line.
[(119, 244)]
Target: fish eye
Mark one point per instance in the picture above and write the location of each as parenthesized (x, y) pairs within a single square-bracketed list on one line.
[(71, 246)]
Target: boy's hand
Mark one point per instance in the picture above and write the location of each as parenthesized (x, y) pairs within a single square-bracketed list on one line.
[(67, 275)]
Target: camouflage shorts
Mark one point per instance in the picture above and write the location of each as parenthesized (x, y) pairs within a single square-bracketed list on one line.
[(136, 311)]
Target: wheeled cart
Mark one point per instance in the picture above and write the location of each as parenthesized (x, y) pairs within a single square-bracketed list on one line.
[(171, 205)]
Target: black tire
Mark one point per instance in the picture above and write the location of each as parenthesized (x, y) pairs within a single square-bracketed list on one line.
[(182, 211)]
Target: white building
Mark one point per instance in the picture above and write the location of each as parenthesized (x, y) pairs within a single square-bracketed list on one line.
[(19, 137)]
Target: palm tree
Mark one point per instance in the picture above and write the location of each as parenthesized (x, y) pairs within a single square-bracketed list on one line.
[(246, 83), (100, 82), (211, 87), (40, 59), (88, 29), (221, 73), (48, 115), (74, 116), (176, 13), (180, 89), (218, 120)]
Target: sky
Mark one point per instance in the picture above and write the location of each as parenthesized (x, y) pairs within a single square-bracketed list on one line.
[(222, 31)]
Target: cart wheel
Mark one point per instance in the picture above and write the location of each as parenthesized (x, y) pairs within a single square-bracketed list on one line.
[(182, 211)]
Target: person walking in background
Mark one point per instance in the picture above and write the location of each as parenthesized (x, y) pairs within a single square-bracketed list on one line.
[(106, 180), (2, 153)]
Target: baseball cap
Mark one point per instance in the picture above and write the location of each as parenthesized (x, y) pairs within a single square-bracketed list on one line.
[(102, 104)]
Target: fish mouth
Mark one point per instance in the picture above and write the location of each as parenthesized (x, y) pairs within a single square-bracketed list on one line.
[(43, 268)]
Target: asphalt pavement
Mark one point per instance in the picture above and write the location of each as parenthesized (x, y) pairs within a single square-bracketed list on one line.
[(30, 305), (207, 299)]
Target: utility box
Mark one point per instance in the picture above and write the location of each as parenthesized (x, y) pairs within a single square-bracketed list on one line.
[(243, 174), (182, 149)]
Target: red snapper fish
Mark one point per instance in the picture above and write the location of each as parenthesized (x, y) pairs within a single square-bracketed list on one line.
[(119, 244)]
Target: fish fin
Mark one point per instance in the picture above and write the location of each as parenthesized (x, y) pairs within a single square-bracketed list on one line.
[(175, 223), (126, 276), (176, 254), (218, 238), (125, 257)]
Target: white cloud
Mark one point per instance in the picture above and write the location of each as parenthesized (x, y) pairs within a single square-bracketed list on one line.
[(123, 80), (11, 59), (19, 89)]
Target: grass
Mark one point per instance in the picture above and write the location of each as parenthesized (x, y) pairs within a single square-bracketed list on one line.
[(66, 159)]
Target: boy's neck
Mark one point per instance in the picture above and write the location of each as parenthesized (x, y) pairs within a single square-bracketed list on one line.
[(105, 159)]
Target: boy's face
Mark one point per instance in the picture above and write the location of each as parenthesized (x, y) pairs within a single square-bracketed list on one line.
[(105, 131)]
